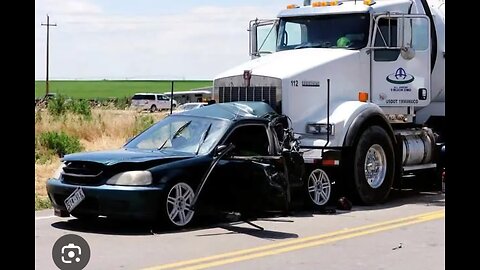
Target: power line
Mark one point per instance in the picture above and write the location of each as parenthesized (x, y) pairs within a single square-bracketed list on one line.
[(48, 37)]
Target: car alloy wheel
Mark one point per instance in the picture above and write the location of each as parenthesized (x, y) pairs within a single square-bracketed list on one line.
[(179, 200), (319, 187)]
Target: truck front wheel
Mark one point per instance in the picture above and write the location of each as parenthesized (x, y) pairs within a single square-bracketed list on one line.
[(374, 165)]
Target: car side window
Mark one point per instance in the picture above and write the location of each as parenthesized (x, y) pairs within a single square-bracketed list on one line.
[(249, 140), (159, 97)]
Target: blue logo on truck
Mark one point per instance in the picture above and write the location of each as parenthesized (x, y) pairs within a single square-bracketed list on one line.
[(400, 77)]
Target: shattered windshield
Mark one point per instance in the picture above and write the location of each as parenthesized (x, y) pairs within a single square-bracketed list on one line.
[(190, 134), (348, 31)]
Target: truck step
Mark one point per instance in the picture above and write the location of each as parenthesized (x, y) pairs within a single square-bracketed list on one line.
[(419, 167)]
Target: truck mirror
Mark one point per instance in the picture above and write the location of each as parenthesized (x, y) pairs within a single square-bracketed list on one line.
[(252, 30), (407, 53), (262, 37)]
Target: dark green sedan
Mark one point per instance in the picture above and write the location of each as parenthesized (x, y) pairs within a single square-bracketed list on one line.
[(228, 157)]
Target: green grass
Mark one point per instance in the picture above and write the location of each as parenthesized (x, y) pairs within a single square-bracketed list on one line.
[(114, 88), (42, 202)]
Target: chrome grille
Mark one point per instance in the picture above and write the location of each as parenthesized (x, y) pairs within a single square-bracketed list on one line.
[(82, 173), (267, 94)]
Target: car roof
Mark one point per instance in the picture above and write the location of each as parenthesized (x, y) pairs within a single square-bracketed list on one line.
[(149, 94), (194, 103), (233, 110)]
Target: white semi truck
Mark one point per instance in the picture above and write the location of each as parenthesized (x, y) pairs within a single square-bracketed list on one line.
[(363, 83)]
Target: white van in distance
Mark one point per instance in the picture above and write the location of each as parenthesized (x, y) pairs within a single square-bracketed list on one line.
[(151, 102)]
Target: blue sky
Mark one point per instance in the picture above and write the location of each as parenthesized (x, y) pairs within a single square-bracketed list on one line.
[(146, 39)]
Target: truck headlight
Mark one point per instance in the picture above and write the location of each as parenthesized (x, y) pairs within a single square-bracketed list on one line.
[(131, 178), (58, 171), (320, 129)]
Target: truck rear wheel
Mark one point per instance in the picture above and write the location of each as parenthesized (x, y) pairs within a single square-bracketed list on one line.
[(373, 165)]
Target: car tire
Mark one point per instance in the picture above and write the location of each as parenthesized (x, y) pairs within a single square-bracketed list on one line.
[(153, 108), (373, 166), (318, 189), (176, 199)]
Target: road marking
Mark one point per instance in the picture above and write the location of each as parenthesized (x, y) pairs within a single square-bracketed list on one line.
[(301, 243), (47, 217)]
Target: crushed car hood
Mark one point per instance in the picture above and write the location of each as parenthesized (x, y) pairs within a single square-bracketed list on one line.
[(112, 157)]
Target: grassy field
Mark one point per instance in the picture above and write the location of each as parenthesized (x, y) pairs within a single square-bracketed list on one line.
[(113, 88), (107, 129)]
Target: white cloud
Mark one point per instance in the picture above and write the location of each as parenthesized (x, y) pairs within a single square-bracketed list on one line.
[(91, 43), (67, 7)]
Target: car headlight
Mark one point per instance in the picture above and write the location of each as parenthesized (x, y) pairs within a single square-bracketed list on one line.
[(58, 171), (131, 178)]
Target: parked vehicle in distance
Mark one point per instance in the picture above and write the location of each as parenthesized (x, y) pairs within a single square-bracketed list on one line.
[(189, 106), (231, 157), (151, 102)]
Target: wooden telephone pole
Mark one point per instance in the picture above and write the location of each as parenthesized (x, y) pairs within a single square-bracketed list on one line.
[(48, 37)]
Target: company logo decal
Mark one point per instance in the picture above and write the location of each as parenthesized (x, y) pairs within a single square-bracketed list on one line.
[(311, 83), (400, 77)]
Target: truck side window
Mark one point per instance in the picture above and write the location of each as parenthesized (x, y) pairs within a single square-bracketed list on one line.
[(386, 37), (420, 38)]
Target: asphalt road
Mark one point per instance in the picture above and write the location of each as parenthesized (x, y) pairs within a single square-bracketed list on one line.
[(408, 232)]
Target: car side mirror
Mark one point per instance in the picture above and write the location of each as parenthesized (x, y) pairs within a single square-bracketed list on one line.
[(223, 149)]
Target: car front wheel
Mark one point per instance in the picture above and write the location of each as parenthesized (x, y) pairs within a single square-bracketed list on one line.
[(176, 205)]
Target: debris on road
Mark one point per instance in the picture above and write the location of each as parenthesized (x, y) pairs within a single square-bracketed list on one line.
[(397, 247)]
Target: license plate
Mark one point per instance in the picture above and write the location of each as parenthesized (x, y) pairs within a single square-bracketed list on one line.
[(74, 199)]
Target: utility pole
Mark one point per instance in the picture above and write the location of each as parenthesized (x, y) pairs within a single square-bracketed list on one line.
[(171, 97), (48, 37)]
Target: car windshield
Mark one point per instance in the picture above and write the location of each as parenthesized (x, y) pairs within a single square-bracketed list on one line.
[(348, 31), (190, 134), (187, 107)]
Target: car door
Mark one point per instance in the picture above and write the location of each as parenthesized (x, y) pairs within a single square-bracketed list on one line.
[(159, 102), (252, 177)]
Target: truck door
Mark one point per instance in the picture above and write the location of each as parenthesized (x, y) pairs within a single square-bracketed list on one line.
[(263, 37), (400, 60)]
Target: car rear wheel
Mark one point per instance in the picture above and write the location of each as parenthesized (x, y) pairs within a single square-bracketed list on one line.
[(153, 108), (176, 205)]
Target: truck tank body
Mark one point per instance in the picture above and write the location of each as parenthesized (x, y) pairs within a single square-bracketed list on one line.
[(437, 9), (437, 105)]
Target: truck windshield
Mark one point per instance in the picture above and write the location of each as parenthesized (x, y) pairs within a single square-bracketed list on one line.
[(348, 31)]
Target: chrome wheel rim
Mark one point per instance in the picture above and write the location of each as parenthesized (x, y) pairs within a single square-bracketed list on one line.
[(319, 187), (179, 200), (375, 166)]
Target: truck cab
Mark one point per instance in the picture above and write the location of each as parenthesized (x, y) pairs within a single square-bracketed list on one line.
[(362, 81)]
